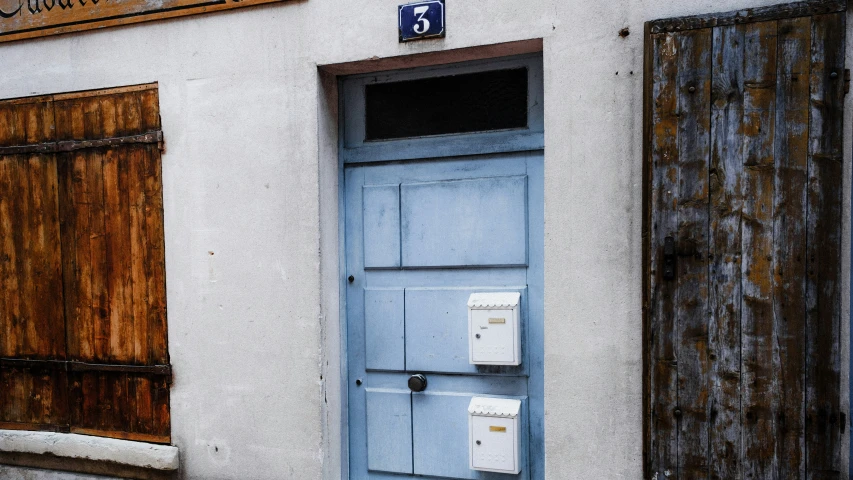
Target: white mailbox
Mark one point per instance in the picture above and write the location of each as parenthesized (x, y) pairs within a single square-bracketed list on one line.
[(493, 426), (494, 335)]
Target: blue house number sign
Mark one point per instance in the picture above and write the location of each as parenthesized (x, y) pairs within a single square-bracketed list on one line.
[(422, 20)]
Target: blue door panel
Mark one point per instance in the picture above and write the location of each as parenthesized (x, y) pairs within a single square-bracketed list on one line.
[(420, 238), (440, 430), (389, 430), (437, 329), (467, 222), (384, 329), (381, 226)]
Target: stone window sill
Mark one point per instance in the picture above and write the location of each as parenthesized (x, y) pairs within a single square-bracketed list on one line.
[(70, 446)]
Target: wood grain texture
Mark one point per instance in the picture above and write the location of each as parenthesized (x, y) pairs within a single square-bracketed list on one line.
[(769, 376), (726, 171), (88, 221), (31, 297), (759, 393), (789, 247), (749, 15), (691, 300), (663, 434), (823, 251)]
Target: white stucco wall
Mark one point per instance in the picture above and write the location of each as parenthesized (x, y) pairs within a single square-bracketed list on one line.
[(250, 137)]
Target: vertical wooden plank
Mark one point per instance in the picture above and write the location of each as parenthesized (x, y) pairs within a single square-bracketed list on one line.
[(129, 120), (78, 121), (15, 220), (47, 322), (120, 402), (18, 404), (691, 301), (5, 123), (789, 247), (24, 250), (52, 285), (62, 117), (75, 399), (5, 393), (70, 264), (823, 266), (725, 250), (108, 116), (104, 419), (664, 223), (93, 126), (91, 411), (35, 396), (144, 405), (150, 106), (118, 254), (139, 258), (83, 204), (130, 416), (162, 416), (9, 279), (648, 176), (132, 118), (100, 305), (158, 336), (759, 395)]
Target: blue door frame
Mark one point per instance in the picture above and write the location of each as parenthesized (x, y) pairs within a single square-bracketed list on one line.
[(395, 285)]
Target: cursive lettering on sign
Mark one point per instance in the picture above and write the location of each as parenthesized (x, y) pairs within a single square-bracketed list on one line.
[(20, 19)]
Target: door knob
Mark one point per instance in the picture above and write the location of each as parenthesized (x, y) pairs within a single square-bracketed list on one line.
[(417, 383)]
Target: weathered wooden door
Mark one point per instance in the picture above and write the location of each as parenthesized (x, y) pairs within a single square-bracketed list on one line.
[(743, 161)]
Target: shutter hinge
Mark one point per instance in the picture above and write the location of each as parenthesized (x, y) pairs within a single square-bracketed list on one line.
[(846, 81)]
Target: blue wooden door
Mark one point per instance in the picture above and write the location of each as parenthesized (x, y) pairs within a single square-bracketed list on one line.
[(421, 236)]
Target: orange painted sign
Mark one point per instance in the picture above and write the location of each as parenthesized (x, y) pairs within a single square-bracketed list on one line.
[(21, 19)]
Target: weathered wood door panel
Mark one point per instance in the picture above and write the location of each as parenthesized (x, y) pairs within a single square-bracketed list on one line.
[(743, 235)]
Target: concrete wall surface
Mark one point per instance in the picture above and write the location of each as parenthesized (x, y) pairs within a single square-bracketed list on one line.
[(250, 193)]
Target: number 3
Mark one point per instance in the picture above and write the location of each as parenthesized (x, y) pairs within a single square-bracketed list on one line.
[(420, 12)]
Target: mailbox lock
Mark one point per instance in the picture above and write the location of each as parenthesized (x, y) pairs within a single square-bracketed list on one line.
[(417, 383)]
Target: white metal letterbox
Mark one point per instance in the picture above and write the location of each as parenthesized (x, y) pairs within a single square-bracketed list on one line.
[(493, 425), (494, 335)]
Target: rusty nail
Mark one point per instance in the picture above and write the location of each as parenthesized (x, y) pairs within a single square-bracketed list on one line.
[(833, 75), (677, 412), (691, 89)]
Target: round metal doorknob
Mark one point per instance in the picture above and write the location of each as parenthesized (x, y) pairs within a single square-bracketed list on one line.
[(417, 383)]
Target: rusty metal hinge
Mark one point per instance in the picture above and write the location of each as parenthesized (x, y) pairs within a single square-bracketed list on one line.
[(75, 366), (73, 145), (846, 81)]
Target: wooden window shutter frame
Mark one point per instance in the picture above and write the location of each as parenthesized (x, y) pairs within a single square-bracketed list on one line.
[(89, 352), (743, 176)]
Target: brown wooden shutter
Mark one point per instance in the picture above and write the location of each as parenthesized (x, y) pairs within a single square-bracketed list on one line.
[(107, 203), (743, 115), (33, 395)]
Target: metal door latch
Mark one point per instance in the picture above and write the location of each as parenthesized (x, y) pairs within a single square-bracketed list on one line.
[(668, 258)]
